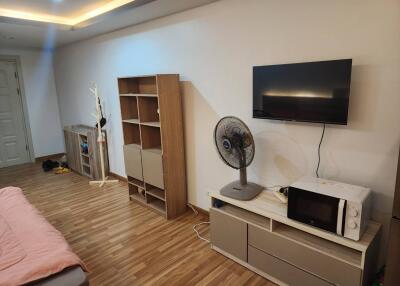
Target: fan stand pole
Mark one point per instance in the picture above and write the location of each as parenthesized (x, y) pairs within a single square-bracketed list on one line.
[(100, 139), (243, 171), (243, 176)]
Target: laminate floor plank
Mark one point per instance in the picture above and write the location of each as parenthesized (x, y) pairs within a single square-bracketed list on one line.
[(122, 242)]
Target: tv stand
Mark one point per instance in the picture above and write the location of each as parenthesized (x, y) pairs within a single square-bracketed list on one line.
[(258, 235)]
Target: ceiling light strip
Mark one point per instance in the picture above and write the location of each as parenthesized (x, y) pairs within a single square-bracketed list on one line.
[(101, 10), (64, 20), (34, 17)]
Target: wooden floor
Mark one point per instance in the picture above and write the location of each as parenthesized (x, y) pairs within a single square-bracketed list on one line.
[(121, 242)]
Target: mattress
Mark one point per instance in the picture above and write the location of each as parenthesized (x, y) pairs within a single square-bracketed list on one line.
[(72, 276), (31, 248)]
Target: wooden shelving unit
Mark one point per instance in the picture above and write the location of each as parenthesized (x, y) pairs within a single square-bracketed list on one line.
[(151, 113), (85, 162)]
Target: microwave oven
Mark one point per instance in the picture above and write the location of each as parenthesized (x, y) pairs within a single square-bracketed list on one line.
[(332, 206)]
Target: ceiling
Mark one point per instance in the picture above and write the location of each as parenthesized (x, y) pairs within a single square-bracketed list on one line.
[(55, 23)]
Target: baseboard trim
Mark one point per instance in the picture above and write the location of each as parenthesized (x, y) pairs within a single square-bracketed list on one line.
[(201, 210), (124, 179), (48, 157)]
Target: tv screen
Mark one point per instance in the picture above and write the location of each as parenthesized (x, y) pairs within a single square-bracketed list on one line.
[(309, 92)]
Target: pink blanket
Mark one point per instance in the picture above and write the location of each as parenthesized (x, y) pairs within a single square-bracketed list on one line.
[(30, 247)]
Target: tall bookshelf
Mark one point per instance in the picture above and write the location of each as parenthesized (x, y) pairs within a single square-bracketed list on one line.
[(151, 113)]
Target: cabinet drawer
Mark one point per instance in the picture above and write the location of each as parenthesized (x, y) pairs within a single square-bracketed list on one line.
[(133, 162), (303, 257), (229, 234), (281, 270), (153, 168)]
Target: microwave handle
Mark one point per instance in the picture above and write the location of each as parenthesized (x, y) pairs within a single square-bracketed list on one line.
[(340, 215)]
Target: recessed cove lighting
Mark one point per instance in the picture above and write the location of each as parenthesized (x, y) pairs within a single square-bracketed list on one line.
[(60, 20)]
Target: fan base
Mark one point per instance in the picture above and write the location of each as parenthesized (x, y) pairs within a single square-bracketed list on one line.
[(236, 190)]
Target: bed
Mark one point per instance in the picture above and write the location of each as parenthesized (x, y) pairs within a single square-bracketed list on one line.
[(32, 251)]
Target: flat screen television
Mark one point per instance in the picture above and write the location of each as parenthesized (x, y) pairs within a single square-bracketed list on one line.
[(307, 92)]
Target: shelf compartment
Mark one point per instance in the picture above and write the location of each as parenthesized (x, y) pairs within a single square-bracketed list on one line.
[(135, 182), (146, 85), (129, 107), (131, 133), (83, 140), (155, 192), (85, 160), (152, 124), (156, 204), (148, 109), (245, 216), (126, 85), (151, 137), (86, 170), (133, 145), (141, 85), (154, 150), (137, 193), (131, 121), (138, 95)]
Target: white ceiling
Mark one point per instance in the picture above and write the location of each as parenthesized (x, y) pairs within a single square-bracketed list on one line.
[(28, 34), (63, 8)]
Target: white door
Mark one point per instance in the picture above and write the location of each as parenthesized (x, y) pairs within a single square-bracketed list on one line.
[(13, 144)]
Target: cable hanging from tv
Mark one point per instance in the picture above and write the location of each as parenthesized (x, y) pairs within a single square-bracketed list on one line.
[(319, 150)]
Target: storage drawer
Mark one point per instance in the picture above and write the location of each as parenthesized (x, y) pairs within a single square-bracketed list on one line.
[(153, 168), (281, 270), (229, 234), (133, 161), (313, 261)]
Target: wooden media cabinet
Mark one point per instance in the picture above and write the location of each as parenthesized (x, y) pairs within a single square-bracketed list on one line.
[(258, 235)]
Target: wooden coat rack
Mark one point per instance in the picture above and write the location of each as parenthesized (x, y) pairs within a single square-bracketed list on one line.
[(100, 139)]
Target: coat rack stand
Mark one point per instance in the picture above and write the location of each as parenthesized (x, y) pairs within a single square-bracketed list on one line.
[(100, 139)]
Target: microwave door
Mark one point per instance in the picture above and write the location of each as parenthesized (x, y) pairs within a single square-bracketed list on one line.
[(314, 209)]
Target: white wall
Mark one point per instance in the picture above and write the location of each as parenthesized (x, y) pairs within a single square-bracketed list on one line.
[(42, 101), (214, 47)]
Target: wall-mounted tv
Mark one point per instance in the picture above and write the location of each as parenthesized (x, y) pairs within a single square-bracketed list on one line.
[(308, 92)]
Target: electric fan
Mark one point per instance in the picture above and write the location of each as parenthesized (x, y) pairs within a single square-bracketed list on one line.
[(235, 146)]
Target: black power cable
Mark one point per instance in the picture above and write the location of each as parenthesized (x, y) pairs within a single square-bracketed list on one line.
[(319, 151)]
